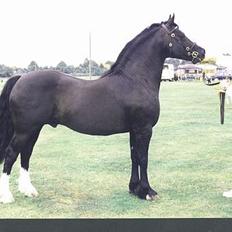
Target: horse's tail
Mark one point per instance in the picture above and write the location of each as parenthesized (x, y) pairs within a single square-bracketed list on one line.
[(6, 124)]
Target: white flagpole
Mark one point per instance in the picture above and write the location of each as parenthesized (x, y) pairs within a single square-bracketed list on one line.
[(90, 74)]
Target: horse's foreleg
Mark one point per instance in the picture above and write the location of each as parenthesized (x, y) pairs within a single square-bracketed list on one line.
[(134, 180), (141, 146), (25, 186)]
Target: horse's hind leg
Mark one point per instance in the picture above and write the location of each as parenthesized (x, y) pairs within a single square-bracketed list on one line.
[(12, 151), (25, 185)]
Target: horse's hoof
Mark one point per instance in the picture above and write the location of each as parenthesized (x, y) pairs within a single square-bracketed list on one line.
[(132, 192), (152, 197), (31, 194), (28, 191), (6, 198)]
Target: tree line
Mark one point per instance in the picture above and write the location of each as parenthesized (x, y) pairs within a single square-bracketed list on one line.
[(81, 70)]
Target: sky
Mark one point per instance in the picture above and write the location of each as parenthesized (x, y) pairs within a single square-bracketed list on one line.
[(49, 31)]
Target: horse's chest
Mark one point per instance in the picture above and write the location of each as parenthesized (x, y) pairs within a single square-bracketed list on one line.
[(146, 113)]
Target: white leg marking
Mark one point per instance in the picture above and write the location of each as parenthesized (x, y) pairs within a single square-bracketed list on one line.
[(25, 185), (227, 194), (148, 198), (5, 194)]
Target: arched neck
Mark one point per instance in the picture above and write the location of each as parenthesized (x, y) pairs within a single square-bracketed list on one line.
[(143, 59)]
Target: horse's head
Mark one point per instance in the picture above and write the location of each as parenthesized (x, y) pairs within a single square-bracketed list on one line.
[(178, 45)]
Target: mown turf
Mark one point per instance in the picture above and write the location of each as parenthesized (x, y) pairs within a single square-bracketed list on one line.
[(190, 165)]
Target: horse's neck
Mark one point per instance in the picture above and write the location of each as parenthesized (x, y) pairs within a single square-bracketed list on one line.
[(145, 63)]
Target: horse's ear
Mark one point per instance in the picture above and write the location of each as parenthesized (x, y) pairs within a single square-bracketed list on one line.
[(171, 20)]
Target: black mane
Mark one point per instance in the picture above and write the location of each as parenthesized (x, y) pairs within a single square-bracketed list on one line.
[(130, 47)]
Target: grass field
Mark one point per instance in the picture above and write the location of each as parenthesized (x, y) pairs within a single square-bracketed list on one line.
[(190, 165)]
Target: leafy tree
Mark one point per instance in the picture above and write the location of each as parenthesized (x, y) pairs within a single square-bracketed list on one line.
[(96, 70), (110, 63), (82, 69), (176, 62), (33, 66), (71, 69), (20, 70), (61, 66), (6, 71), (209, 60)]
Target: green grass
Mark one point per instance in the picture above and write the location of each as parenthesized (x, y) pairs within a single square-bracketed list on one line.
[(190, 165)]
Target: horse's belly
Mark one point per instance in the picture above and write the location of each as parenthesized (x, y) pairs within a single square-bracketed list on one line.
[(97, 122)]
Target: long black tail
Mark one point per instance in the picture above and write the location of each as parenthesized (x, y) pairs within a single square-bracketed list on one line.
[(6, 125)]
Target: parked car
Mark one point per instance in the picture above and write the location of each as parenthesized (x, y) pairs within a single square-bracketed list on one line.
[(168, 72)]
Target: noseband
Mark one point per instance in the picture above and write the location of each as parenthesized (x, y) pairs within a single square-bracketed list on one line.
[(189, 49)]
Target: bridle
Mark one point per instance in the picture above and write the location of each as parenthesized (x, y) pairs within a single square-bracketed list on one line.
[(189, 49)]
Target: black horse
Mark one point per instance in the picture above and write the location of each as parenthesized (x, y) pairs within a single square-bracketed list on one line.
[(125, 99)]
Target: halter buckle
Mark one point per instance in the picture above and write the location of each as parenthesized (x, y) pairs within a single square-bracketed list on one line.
[(195, 54)]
